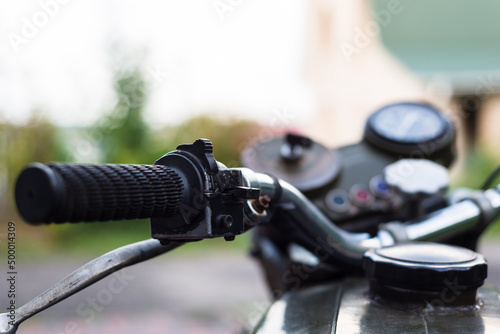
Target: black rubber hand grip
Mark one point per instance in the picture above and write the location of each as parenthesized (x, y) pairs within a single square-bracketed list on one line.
[(96, 192)]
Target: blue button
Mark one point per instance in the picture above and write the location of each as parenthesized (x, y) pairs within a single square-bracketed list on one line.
[(379, 187), (337, 200)]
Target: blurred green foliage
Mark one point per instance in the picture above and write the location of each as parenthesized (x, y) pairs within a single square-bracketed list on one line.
[(478, 166), (125, 132), (121, 135), (37, 140), (228, 136)]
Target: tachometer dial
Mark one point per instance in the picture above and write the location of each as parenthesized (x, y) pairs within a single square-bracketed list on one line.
[(405, 127)]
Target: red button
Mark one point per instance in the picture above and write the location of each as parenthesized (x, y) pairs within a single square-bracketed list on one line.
[(362, 195)]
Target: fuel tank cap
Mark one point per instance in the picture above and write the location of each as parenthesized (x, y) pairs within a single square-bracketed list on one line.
[(426, 272)]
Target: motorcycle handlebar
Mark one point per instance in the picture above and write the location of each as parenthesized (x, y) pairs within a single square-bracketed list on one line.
[(349, 247), (90, 192), (96, 192)]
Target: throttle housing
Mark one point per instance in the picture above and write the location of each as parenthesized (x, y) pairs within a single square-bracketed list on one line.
[(213, 197)]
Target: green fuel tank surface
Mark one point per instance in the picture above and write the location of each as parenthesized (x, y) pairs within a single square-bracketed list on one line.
[(345, 307)]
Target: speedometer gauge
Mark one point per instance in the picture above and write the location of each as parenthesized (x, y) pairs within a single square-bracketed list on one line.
[(409, 128)]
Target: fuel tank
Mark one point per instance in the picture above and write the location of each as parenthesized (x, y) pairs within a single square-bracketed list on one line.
[(347, 307)]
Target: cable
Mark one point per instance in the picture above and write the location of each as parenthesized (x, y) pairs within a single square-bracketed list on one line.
[(491, 178)]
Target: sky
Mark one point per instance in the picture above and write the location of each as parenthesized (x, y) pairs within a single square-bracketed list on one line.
[(230, 57)]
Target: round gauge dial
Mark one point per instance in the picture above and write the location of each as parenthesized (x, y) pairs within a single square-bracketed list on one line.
[(402, 127), (409, 124)]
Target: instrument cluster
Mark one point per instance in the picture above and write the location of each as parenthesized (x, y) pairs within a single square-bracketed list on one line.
[(347, 182)]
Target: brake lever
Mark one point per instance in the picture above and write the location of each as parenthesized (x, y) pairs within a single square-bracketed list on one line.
[(83, 277)]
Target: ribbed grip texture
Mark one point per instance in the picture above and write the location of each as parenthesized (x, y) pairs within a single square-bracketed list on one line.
[(96, 192)]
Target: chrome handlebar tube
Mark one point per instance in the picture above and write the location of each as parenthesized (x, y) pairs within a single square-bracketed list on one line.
[(348, 247)]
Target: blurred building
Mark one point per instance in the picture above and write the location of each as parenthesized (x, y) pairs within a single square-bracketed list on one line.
[(363, 54)]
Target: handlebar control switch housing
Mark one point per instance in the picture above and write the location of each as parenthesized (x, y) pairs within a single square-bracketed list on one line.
[(213, 197)]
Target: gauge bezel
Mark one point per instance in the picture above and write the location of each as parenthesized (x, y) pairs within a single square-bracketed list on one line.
[(428, 147)]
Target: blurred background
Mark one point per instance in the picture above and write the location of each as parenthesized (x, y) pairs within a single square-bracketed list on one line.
[(127, 81)]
